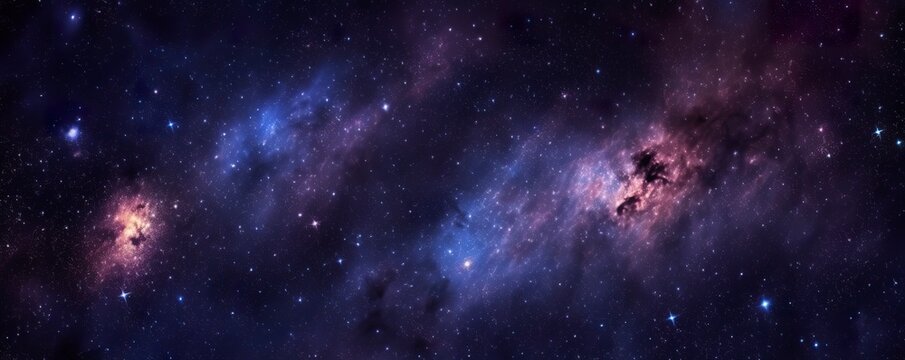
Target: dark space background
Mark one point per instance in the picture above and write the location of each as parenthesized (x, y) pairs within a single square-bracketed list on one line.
[(377, 180)]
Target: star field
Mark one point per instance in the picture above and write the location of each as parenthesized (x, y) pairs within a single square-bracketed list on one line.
[(428, 179)]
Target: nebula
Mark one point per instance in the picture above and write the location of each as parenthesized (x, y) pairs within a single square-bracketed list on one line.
[(126, 237)]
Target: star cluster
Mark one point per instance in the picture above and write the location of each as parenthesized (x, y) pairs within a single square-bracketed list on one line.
[(677, 179)]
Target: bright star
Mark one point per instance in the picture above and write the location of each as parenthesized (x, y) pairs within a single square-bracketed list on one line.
[(73, 133), (315, 223), (672, 318), (124, 295), (878, 131), (385, 107), (171, 125), (467, 264), (179, 298), (765, 304)]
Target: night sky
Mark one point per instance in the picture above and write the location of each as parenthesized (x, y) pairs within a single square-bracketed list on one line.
[(499, 179)]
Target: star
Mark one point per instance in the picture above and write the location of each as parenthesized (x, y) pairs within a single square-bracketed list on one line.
[(124, 295), (73, 133), (385, 107), (315, 223), (180, 298), (672, 318), (467, 264), (878, 131), (765, 304)]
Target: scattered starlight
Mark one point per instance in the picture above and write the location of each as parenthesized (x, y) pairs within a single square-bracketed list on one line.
[(487, 191)]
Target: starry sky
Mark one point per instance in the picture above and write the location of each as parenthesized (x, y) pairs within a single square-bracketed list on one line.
[(433, 179)]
